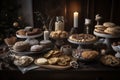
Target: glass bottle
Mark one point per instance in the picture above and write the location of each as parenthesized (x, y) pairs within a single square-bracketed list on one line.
[(59, 23), (87, 25)]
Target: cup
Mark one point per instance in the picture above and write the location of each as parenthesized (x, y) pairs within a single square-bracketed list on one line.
[(66, 49)]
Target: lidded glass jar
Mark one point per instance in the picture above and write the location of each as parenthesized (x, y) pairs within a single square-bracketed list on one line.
[(59, 23)]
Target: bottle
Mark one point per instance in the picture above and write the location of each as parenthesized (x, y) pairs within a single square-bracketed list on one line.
[(59, 23), (87, 25)]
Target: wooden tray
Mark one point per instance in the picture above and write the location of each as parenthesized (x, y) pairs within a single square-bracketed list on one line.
[(56, 67)]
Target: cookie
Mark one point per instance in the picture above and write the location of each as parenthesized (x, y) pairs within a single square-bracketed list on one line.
[(110, 60), (40, 61), (53, 60)]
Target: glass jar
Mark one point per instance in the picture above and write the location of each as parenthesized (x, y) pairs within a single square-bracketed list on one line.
[(59, 23)]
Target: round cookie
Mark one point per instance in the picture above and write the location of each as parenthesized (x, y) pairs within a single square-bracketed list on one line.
[(40, 61)]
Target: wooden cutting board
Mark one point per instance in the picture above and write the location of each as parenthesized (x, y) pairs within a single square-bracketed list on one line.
[(56, 67)]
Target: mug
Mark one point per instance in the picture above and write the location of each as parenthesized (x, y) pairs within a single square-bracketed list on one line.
[(66, 49)]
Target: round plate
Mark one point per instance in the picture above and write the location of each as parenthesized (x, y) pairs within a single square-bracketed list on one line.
[(30, 52), (30, 60), (106, 35), (33, 36), (82, 42)]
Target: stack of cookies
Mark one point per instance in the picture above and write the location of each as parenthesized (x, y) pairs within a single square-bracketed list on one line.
[(107, 28), (54, 57)]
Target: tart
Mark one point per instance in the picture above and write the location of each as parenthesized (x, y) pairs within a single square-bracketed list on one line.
[(82, 38)]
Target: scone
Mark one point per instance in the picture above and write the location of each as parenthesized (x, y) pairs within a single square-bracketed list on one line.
[(110, 60), (89, 54)]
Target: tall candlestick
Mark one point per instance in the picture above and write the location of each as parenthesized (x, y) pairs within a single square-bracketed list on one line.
[(75, 19)]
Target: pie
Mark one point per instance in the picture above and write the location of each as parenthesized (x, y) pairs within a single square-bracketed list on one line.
[(82, 37)]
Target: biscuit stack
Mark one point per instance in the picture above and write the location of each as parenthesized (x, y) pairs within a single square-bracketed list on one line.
[(107, 28), (54, 57)]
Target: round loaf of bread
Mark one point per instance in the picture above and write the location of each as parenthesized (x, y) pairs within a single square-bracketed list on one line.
[(21, 46), (89, 54), (112, 30), (108, 24), (36, 48)]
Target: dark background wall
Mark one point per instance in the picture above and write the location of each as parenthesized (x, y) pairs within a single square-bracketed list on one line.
[(11, 9), (108, 9)]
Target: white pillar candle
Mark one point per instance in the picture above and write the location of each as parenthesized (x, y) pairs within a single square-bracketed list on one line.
[(75, 19), (46, 35)]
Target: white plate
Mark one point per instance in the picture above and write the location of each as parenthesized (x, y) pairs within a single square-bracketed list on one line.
[(106, 35), (30, 52), (33, 36), (81, 42)]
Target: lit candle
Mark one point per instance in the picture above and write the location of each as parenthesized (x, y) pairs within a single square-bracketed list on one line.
[(75, 19), (46, 35)]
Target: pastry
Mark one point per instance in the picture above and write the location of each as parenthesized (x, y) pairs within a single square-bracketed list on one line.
[(34, 31), (10, 41), (89, 54), (21, 32), (40, 61), (21, 46), (59, 34), (82, 37), (53, 60), (99, 28), (29, 31), (108, 24), (112, 30), (110, 60), (36, 48)]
